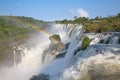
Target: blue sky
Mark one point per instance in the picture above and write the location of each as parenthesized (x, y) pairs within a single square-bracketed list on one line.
[(50, 10)]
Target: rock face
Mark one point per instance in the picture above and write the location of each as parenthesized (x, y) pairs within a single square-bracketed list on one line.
[(40, 77), (62, 54)]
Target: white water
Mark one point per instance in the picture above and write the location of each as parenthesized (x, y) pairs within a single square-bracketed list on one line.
[(106, 63), (31, 63), (76, 67), (70, 67), (56, 68), (97, 60)]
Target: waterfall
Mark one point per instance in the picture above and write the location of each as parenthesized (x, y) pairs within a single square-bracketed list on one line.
[(29, 65), (31, 58), (14, 58), (31, 62), (99, 61), (94, 58), (46, 58), (75, 42), (74, 36)]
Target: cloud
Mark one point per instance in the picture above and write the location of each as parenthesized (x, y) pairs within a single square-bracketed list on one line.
[(80, 12)]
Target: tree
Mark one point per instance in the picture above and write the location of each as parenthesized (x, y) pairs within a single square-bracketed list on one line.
[(75, 17), (118, 15), (97, 18)]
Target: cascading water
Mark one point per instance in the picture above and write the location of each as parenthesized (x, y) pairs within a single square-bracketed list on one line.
[(97, 62), (29, 65), (75, 42), (56, 68), (31, 61), (63, 64), (100, 61), (75, 67)]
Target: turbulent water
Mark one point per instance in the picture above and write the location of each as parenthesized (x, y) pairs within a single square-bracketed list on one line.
[(91, 63), (31, 62), (100, 61)]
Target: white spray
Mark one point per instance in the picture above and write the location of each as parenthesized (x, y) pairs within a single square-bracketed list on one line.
[(31, 63)]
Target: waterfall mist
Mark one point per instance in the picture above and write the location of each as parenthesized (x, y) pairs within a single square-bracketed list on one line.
[(31, 61)]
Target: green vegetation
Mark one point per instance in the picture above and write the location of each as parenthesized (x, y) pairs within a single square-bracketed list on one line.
[(13, 28), (13, 32), (85, 43), (98, 24), (55, 37)]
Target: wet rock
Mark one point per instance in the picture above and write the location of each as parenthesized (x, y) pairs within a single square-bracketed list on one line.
[(63, 52), (40, 77), (61, 55)]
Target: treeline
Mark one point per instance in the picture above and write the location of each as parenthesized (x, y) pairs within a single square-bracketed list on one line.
[(98, 24)]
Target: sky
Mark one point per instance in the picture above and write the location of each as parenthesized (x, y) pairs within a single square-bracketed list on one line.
[(50, 10)]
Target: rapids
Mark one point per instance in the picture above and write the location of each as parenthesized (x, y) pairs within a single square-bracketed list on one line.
[(41, 59)]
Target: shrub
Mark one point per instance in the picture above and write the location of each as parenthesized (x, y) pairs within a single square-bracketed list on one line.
[(85, 43)]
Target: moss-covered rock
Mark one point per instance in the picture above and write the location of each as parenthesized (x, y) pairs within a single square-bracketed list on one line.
[(55, 37), (56, 40), (85, 43)]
